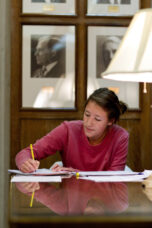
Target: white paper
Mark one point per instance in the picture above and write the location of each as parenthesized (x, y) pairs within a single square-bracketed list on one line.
[(40, 172), (135, 178), (119, 176), (30, 178), (108, 173)]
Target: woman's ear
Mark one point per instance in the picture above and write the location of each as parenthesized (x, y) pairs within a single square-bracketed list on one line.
[(111, 122)]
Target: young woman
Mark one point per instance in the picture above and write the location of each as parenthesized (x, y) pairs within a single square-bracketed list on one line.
[(94, 144)]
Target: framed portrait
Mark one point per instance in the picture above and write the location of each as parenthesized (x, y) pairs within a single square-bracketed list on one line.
[(103, 41), (48, 66), (112, 7), (50, 7)]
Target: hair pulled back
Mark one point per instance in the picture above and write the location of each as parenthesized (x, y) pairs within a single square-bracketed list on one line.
[(109, 101)]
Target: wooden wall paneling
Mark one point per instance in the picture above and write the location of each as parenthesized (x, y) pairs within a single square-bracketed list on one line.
[(145, 3), (27, 125), (15, 85), (34, 129), (134, 150), (145, 129), (150, 128)]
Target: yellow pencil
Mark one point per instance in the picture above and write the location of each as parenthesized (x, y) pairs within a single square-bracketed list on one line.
[(32, 153), (77, 175), (32, 197)]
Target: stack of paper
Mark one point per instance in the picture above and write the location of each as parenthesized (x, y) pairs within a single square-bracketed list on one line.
[(40, 175), (115, 176), (30, 178), (39, 172), (47, 175)]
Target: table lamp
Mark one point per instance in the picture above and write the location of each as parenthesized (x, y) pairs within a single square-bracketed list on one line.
[(133, 59)]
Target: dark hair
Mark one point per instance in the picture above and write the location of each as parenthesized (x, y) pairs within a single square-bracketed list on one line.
[(109, 101)]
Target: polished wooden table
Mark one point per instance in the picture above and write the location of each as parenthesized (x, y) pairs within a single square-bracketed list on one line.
[(80, 203)]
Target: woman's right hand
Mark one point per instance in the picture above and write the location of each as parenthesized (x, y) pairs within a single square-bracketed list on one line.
[(29, 166)]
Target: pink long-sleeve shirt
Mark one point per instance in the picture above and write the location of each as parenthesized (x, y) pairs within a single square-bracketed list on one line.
[(76, 151)]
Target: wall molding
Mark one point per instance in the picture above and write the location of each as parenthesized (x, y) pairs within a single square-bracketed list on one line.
[(5, 108)]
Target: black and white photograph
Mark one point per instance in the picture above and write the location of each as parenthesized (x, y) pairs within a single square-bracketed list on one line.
[(112, 7), (103, 42), (48, 66), (106, 46), (48, 56), (50, 7)]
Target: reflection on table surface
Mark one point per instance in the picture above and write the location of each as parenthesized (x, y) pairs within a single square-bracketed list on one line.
[(76, 197)]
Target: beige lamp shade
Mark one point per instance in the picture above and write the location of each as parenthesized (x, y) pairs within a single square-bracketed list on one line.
[(133, 59)]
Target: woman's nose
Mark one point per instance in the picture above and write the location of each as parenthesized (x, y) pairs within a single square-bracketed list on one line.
[(90, 121)]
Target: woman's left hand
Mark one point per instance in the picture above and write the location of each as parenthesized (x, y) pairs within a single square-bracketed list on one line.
[(58, 168)]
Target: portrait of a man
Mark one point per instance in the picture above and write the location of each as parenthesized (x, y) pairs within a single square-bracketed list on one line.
[(105, 49), (47, 56)]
